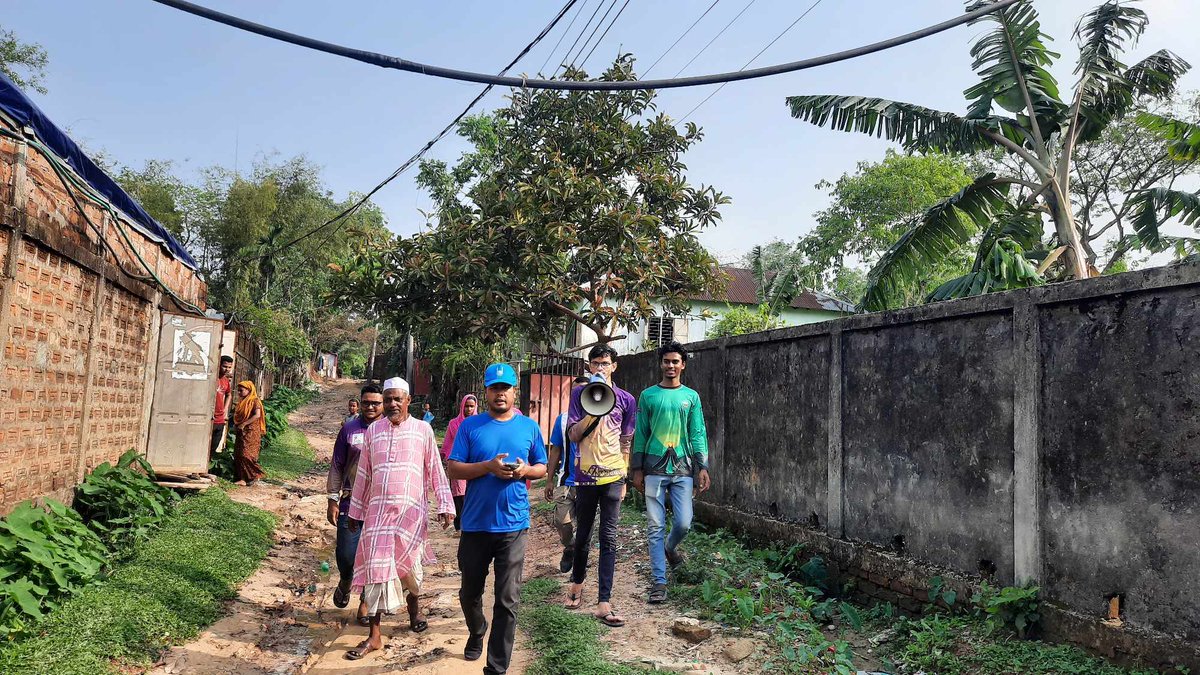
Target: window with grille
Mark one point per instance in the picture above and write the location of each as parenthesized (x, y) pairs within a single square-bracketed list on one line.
[(660, 330)]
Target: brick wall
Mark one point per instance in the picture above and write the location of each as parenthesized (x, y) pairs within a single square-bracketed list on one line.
[(76, 332)]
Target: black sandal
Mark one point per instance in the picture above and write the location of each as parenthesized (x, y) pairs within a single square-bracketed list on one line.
[(612, 619), (658, 594), (574, 600), (415, 622), (340, 598)]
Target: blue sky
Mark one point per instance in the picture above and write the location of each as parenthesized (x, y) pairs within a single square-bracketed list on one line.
[(140, 81)]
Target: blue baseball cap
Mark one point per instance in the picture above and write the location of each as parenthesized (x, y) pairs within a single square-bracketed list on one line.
[(499, 373)]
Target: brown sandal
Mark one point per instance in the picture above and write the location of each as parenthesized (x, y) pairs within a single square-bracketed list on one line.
[(361, 650), (574, 600)]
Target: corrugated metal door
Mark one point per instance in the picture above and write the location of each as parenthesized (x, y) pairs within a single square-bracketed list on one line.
[(189, 352)]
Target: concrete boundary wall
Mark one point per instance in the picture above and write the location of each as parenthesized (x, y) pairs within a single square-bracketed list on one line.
[(1048, 435), (79, 336)]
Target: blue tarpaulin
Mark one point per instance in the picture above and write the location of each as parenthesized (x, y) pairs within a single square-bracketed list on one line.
[(15, 104)]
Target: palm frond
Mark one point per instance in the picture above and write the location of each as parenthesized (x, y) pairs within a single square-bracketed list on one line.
[(934, 236), (1156, 206), (1014, 52), (1183, 138), (1156, 76), (1102, 35), (1006, 267), (915, 127), (757, 267)]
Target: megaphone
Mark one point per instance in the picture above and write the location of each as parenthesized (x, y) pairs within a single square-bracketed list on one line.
[(597, 398)]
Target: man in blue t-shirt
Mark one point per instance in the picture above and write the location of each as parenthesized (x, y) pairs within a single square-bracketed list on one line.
[(560, 487), (495, 453)]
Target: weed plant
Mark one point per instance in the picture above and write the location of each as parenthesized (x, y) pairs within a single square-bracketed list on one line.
[(122, 503), (567, 643)]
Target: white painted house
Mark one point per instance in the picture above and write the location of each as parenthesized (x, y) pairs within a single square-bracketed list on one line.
[(740, 291)]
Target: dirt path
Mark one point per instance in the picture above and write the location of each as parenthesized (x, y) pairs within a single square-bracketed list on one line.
[(283, 619)]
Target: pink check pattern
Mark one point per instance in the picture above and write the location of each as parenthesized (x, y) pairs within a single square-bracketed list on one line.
[(398, 468)]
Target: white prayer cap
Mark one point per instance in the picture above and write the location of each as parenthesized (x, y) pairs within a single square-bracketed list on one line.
[(395, 383)]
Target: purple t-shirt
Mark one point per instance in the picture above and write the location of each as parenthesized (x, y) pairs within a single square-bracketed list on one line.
[(599, 460), (350, 442)]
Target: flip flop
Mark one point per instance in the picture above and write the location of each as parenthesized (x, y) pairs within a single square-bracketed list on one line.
[(574, 600), (364, 621), (360, 651), (415, 622), (340, 598), (612, 620)]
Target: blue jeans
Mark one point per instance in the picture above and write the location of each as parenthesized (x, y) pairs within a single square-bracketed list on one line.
[(658, 490), (344, 550)]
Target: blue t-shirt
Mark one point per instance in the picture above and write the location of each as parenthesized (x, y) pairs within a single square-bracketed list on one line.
[(427, 417), (570, 461), (493, 504)]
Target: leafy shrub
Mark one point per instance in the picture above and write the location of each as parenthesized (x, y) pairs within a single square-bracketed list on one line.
[(122, 504), (1014, 607), (45, 554), (741, 320)]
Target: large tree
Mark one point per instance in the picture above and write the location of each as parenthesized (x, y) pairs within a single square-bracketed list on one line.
[(1015, 108), (572, 207), (23, 62)]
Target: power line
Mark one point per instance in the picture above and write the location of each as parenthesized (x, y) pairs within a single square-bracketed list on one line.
[(395, 63), (565, 57), (554, 49), (583, 64), (433, 141), (710, 42), (752, 60), (611, 5), (681, 36)]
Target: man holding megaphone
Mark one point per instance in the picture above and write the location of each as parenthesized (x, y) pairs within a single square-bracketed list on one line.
[(600, 420)]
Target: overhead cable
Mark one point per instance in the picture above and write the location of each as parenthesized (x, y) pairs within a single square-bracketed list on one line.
[(588, 41), (554, 49), (396, 63), (566, 57), (714, 39), (433, 141), (583, 63), (753, 59), (681, 36)]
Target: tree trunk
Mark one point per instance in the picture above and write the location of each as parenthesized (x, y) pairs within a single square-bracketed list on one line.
[(1068, 235)]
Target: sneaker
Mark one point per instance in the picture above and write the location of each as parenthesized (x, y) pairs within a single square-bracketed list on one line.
[(474, 648), (675, 558), (567, 561)]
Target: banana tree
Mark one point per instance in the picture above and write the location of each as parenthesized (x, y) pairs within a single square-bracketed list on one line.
[(777, 288), (1156, 206), (1016, 108)]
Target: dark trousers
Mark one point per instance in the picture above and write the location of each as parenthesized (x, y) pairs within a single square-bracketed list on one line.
[(218, 433), (459, 500), (476, 552), (608, 499), (345, 549)]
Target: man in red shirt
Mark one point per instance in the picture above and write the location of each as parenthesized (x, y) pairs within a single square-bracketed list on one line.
[(222, 405)]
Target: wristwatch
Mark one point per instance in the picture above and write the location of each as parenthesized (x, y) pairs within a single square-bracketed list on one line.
[(335, 496)]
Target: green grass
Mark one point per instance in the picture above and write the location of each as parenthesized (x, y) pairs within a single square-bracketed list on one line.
[(172, 587), (567, 643), (288, 456), (951, 645)]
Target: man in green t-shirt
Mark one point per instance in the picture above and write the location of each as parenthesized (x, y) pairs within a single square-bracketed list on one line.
[(670, 458)]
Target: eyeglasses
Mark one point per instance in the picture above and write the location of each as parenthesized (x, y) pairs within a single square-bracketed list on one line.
[(605, 365), (371, 404)]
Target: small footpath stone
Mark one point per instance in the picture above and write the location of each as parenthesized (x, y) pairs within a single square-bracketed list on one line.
[(691, 630), (739, 650)]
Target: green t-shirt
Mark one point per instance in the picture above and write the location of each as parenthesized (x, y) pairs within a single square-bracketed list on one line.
[(670, 438)]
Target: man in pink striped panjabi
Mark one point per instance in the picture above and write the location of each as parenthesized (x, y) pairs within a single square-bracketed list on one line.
[(397, 469)]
